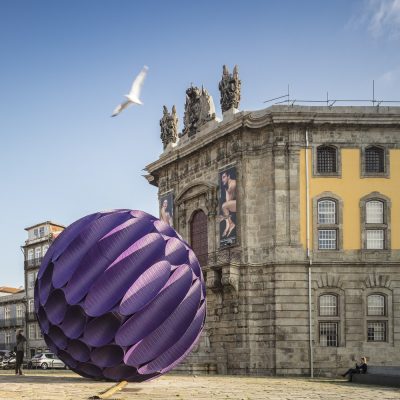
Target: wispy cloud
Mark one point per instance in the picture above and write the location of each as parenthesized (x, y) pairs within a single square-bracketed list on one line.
[(383, 18)]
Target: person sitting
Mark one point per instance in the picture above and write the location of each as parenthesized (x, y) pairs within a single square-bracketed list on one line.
[(359, 369)]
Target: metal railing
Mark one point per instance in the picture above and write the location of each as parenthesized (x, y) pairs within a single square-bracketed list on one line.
[(10, 322), (31, 316), (34, 262)]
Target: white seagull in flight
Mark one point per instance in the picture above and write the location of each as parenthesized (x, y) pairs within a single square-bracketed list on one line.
[(133, 96)]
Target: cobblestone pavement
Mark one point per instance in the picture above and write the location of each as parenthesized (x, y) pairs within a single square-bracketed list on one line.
[(50, 385)]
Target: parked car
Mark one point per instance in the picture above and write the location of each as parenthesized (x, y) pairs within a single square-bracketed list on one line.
[(7, 359), (45, 361)]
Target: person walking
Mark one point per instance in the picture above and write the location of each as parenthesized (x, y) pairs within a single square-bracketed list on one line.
[(20, 347), (359, 369)]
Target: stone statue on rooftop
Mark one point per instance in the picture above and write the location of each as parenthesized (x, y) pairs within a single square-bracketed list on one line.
[(169, 126), (229, 87), (199, 109)]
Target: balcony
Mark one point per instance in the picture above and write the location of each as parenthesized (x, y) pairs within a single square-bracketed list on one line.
[(12, 322), (223, 257), (31, 316), (33, 263), (7, 346)]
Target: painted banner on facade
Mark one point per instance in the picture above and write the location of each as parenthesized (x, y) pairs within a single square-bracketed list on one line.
[(167, 208), (227, 207)]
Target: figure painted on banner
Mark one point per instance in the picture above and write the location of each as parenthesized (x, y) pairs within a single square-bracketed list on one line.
[(165, 215), (229, 206), (19, 350)]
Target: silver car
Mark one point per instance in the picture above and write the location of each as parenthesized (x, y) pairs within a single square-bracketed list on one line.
[(45, 361)]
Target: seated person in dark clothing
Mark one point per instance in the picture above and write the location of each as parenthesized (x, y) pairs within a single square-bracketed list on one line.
[(359, 369)]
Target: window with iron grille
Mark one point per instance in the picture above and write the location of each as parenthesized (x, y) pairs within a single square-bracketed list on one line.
[(326, 212), (375, 239), (199, 236), (374, 212), (376, 331), (328, 334), (376, 305), (327, 239), (375, 222), (326, 159), (328, 305), (374, 160)]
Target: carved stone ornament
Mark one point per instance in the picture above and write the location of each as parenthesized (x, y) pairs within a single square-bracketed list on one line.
[(169, 126), (229, 88), (199, 109)]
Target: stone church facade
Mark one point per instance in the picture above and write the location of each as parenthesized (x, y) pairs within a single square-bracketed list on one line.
[(294, 213)]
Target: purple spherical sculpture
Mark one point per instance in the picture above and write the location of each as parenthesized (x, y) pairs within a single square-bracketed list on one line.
[(120, 296)]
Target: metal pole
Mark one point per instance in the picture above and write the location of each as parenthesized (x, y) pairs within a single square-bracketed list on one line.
[(310, 262)]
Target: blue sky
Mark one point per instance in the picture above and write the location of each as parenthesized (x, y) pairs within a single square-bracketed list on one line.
[(66, 64)]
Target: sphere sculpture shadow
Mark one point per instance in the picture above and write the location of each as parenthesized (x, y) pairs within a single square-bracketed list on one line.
[(120, 296)]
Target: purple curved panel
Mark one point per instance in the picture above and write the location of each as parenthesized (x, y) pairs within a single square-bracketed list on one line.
[(69, 261), (103, 254), (144, 321), (170, 330), (57, 336), (194, 263), (107, 356), (116, 280), (90, 370), (78, 350), (145, 288), (67, 358), (56, 307), (101, 330), (50, 344), (43, 320), (165, 229), (63, 240), (168, 359), (120, 372), (120, 278), (45, 287), (74, 322), (176, 252)]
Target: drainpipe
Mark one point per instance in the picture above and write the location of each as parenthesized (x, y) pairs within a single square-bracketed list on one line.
[(309, 263)]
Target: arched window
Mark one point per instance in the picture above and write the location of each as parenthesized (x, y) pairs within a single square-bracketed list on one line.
[(326, 212), (326, 159), (374, 160), (199, 236), (327, 224), (377, 321), (328, 320), (375, 221), (328, 305)]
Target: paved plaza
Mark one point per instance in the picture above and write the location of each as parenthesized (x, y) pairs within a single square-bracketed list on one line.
[(51, 385)]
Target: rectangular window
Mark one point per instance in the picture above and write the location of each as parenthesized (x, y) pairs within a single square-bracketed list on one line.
[(32, 331), (31, 305), (8, 337), (328, 305), (31, 280), (7, 313), (375, 239), (41, 231), (326, 212), (35, 233), (376, 331), (374, 212), (328, 334), (327, 239), (38, 252), (20, 311)]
